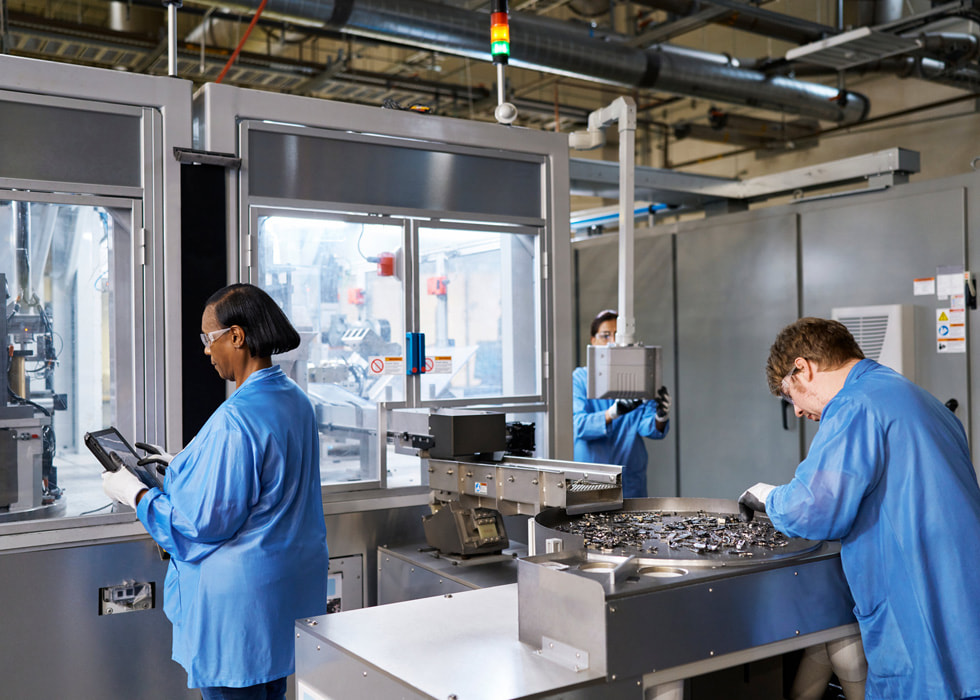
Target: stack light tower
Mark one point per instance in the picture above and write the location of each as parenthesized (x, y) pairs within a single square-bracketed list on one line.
[(505, 113)]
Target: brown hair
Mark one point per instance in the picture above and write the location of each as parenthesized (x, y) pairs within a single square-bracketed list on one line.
[(826, 342), (602, 317)]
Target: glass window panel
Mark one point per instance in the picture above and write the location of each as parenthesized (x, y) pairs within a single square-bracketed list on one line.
[(56, 261), (338, 283), (479, 307), (403, 470)]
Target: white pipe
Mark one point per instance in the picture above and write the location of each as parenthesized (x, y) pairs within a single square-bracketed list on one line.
[(623, 111), (626, 326), (172, 38)]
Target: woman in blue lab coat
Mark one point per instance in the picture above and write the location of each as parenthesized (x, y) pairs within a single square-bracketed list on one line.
[(612, 432), (889, 475), (241, 512)]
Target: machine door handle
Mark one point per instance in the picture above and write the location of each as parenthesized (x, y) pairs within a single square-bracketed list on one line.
[(784, 405)]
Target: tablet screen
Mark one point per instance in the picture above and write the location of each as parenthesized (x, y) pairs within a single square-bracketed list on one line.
[(103, 442)]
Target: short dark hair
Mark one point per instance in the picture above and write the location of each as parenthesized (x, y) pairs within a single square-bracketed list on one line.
[(602, 317), (267, 330), (826, 342)]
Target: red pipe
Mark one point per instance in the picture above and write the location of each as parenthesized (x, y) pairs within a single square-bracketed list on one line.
[(241, 43)]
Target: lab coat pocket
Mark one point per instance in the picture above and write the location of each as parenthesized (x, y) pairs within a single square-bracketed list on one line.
[(883, 643), (171, 591)]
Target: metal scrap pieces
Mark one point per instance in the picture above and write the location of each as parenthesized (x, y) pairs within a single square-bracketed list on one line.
[(700, 533)]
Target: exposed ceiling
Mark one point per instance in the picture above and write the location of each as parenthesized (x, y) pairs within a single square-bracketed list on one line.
[(387, 51)]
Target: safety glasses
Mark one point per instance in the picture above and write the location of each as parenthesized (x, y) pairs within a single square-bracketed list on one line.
[(209, 338)]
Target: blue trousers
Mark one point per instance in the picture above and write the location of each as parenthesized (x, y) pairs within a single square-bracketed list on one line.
[(273, 690)]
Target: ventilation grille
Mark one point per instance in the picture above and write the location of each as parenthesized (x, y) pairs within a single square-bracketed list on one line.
[(884, 333), (869, 332)]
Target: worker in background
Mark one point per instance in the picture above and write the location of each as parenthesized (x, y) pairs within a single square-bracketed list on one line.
[(611, 431), (241, 512), (889, 475)]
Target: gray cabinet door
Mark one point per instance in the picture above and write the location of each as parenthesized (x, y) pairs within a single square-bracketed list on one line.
[(596, 284), (868, 252), (736, 288)]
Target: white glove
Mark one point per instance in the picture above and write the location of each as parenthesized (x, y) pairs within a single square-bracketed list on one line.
[(122, 487), (663, 404), (753, 499)]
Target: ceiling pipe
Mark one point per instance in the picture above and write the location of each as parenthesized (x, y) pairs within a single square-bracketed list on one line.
[(563, 48), (957, 71)]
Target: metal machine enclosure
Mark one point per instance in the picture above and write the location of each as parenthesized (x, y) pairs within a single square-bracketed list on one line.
[(580, 624), (76, 139)]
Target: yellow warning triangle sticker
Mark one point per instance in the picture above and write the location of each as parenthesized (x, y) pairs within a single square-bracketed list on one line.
[(943, 316)]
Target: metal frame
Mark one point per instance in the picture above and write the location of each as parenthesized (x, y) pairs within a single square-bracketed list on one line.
[(685, 192), (165, 106), (224, 115), (147, 378)]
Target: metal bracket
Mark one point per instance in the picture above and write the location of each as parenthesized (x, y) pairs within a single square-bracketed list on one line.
[(195, 157), (564, 654)]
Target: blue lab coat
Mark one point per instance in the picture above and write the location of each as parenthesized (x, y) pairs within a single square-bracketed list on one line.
[(620, 442), (889, 474), (242, 517)]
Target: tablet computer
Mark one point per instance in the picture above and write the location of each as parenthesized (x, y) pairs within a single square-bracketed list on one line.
[(102, 442)]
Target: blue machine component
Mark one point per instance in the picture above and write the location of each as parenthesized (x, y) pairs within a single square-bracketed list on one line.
[(414, 353)]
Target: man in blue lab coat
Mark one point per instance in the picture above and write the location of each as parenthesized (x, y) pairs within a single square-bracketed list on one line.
[(888, 474)]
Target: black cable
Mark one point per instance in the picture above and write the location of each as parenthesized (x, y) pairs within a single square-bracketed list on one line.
[(20, 399), (96, 510)]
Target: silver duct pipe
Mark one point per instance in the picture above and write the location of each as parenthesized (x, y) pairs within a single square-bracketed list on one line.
[(887, 11), (874, 12), (951, 46), (963, 77), (559, 47), (755, 89)]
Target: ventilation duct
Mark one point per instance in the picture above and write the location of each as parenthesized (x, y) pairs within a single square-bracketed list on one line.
[(564, 48)]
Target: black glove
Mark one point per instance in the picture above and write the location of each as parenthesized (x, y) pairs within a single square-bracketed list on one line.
[(663, 404), (154, 455), (753, 499), (624, 406)]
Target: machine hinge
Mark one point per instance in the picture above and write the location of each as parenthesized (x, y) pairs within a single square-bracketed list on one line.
[(248, 250), (546, 365), (142, 246), (544, 265)]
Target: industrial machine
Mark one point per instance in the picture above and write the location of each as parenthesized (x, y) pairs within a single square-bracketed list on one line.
[(728, 592), (28, 477), (473, 479), (612, 620)]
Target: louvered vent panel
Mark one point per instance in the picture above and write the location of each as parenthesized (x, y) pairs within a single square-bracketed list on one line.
[(869, 332), (884, 333)]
